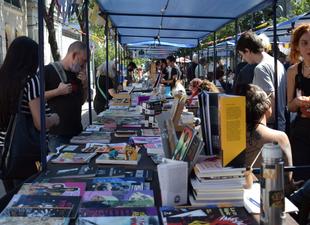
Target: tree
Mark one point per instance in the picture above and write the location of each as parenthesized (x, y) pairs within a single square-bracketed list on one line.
[(49, 21), (300, 6)]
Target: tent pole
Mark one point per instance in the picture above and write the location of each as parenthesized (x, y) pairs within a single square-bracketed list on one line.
[(41, 8), (107, 59), (236, 39), (214, 58), (116, 58), (88, 60), (198, 58), (275, 55)]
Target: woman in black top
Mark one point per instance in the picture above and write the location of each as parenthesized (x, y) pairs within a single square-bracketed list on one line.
[(18, 74), (298, 92)]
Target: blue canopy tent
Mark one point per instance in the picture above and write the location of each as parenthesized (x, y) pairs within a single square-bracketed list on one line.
[(173, 21), (284, 29)]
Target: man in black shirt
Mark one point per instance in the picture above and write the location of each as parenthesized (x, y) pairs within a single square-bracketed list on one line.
[(65, 92)]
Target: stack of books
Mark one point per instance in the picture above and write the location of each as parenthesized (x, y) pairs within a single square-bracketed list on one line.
[(216, 185)]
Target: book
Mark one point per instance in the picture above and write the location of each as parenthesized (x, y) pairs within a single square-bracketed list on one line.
[(223, 125), (119, 159), (53, 189), (120, 220), (116, 184), (125, 133), (83, 171), (214, 215), (147, 175), (70, 157), (105, 199), (193, 152), (87, 137), (154, 148), (69, 148), (232, 127), (183, 143), (34, 220), (203, 99), (129, 211), (150, 132), (106, 148), (42, 206), (146, 140), (215, 202)]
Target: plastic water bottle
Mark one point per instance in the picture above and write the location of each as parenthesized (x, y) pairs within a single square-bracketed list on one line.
[(272, 186)]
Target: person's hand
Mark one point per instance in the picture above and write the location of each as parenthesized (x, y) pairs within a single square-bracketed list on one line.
[(55, 119), (64, 89), (83, 77), (303, 101)]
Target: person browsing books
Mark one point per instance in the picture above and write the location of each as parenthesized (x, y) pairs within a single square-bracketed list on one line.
[(101, 97), (20, 94), (66, 92)]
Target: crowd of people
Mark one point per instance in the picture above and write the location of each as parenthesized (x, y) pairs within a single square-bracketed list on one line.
[(66, 91)]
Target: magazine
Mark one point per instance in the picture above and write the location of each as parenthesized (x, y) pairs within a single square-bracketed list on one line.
[(70, 157)]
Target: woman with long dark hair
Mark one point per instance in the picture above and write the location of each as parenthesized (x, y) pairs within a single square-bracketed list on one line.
[(20, 88)]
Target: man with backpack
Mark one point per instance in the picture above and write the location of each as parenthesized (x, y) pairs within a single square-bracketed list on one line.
[(66, 92)]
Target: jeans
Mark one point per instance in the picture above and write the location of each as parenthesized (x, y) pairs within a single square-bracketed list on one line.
[(58, 140), (301, 199)]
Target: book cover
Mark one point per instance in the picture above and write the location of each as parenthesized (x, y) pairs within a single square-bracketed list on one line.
[(121, 172), (131, 211), (225, 215), (193, 152), (123, 220), (34, 221), (53, 189), (83, 171), (106, 148), (86, 137), (116, 184), (119, 159), (203, 98), (232, 127), (35, 205), (125, 133), (97, 199), (146, 140), (183, 143), (150, 132), (70, 157), (38, 211)]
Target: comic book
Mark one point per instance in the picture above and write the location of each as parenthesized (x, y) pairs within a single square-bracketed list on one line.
[(116, 184), (99, 199), (53, 189)]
